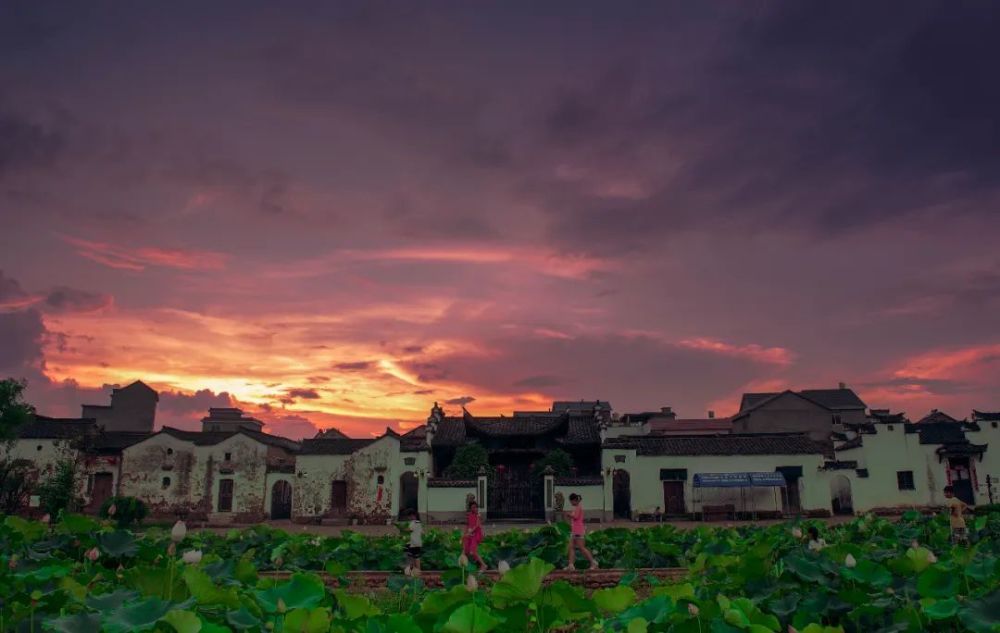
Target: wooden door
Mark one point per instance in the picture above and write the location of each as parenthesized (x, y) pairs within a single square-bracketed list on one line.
[(103, 489), (621, 489), (673, 498), (338, 498), (281, 500), (225, 495)]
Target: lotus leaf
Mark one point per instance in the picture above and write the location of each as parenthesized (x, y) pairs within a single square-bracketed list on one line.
[(471, 618)]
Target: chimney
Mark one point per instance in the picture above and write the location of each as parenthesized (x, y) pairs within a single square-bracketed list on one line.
[(843, 385), (711, 415), (668, 412)]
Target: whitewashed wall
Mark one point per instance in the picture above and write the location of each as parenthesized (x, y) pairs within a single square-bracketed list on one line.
[(647, 489), (593, 503)]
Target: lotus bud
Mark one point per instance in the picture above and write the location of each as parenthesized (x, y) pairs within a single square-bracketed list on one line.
[(192, 557), (792, 629), (112, 509), (693, 610), (850, 561), (796, 532), (47, 519), (463, 560), (503, 567), (93, 554), (171, 549), (279, 561), (12, 563), (471, 583), (178, 532), (407, 571), (931, 558), (282, 607)]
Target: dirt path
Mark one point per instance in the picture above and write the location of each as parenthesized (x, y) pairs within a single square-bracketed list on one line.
[(495, 528), (589, 579)]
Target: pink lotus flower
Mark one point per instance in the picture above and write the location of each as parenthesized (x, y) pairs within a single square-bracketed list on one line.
[(112, 509), (93, 554), (693, 610), (471, 583), (47, 519), (796, 532), (850, 561)]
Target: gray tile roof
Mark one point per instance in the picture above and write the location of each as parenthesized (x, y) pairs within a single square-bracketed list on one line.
[(986, 416), (757, 444), (567, 428), (941, 432), (43, 427), (834, 399), (936, 416), (210, 438), (337, 446)]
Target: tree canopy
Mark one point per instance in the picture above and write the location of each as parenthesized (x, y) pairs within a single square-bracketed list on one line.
[(14, 411), (469, 458)]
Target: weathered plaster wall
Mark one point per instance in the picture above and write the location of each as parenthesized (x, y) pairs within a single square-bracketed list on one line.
[(361, 470), (147, 463), (246, 466)]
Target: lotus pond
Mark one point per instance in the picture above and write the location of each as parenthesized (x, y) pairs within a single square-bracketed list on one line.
[(79, 575)]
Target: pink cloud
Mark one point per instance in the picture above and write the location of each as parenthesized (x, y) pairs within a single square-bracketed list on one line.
[(752, 351), (138, 259)]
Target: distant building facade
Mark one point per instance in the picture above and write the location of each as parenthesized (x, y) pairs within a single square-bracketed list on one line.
[(814, 452)]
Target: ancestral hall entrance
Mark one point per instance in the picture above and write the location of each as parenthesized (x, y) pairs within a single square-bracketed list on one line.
[(515, 492)]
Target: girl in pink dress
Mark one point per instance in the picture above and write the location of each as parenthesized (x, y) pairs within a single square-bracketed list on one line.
[(576, 535), (473, 535)]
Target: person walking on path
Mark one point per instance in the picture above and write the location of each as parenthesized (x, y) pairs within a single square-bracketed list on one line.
[(956, 515), (577, 534), (415, 549), (473, 535)]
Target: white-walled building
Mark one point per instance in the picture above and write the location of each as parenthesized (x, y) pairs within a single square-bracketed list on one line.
[(815, 452)]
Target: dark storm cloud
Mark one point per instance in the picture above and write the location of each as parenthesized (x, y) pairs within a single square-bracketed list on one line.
[(822, 118), (304, 394), (360, 365), (25, 143), (177, 404), (538, 381), (65, 299), (21, 337)]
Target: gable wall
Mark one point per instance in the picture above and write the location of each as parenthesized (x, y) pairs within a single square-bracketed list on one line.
[(788, 414)]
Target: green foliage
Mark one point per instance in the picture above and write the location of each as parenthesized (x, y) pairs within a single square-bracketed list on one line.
[(469, 459), (57, 493), (749, 579), (15, 484), (128, 511), (558, 459), (14, 411)]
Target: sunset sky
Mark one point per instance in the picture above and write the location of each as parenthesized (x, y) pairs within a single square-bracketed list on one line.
[(336, 213)]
